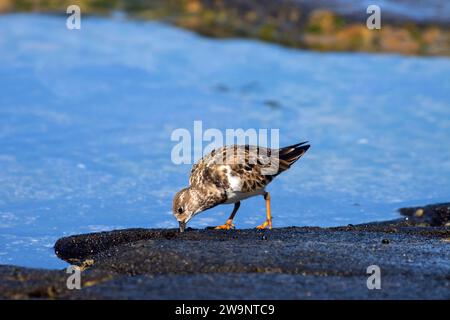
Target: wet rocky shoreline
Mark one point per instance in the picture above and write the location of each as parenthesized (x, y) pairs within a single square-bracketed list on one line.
[(317, 25), (284, 263)]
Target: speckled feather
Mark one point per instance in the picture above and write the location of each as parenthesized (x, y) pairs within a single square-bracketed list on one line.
[(236, 172)]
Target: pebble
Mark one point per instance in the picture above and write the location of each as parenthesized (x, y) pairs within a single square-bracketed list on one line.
[(419, 213)]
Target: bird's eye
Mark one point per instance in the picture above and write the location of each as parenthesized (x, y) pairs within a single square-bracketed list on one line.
[(180, 210)]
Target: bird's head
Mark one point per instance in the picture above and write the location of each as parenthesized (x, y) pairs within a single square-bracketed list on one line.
[(185, 205)]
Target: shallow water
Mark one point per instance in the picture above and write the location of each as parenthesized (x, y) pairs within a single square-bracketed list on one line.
[(86, 118)]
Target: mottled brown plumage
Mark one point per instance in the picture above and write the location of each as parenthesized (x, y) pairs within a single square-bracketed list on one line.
[(231, 174)]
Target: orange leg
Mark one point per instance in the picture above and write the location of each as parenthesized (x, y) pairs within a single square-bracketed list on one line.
[(229, 224), (268, 222)]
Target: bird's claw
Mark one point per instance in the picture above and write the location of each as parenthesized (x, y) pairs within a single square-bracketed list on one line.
[(266, 224), (227, 226)]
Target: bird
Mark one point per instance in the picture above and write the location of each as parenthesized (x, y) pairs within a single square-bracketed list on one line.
[(230, 174)]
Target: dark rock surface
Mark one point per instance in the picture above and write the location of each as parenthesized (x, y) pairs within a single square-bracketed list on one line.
[(432, 215), (284, 263), (26, 283)]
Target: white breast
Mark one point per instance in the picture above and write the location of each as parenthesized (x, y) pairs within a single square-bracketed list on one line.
[(236, 196)]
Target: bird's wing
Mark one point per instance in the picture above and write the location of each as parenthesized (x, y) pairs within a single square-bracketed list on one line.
[(254, 167), (235, 167), (205, 172), (248, 165)]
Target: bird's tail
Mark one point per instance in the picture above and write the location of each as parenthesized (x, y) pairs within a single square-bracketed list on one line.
[(289, 155)]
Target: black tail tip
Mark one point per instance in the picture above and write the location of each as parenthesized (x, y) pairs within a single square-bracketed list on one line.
[(302, 145)]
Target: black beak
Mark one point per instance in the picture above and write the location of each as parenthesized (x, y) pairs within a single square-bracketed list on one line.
[(182, 226)]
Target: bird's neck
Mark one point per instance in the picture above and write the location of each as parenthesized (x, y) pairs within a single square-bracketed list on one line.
[(205, 198)]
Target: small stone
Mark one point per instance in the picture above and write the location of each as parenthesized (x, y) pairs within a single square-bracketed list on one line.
[(419, 213), (385, 241), (272, 104)]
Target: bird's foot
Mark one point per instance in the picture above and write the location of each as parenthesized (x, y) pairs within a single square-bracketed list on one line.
[(227, 226), (266, 224)]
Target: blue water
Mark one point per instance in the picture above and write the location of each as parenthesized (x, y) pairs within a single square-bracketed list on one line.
[(86, 118)]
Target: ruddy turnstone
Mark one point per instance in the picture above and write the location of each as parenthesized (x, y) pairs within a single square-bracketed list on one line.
[(231, 174)]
